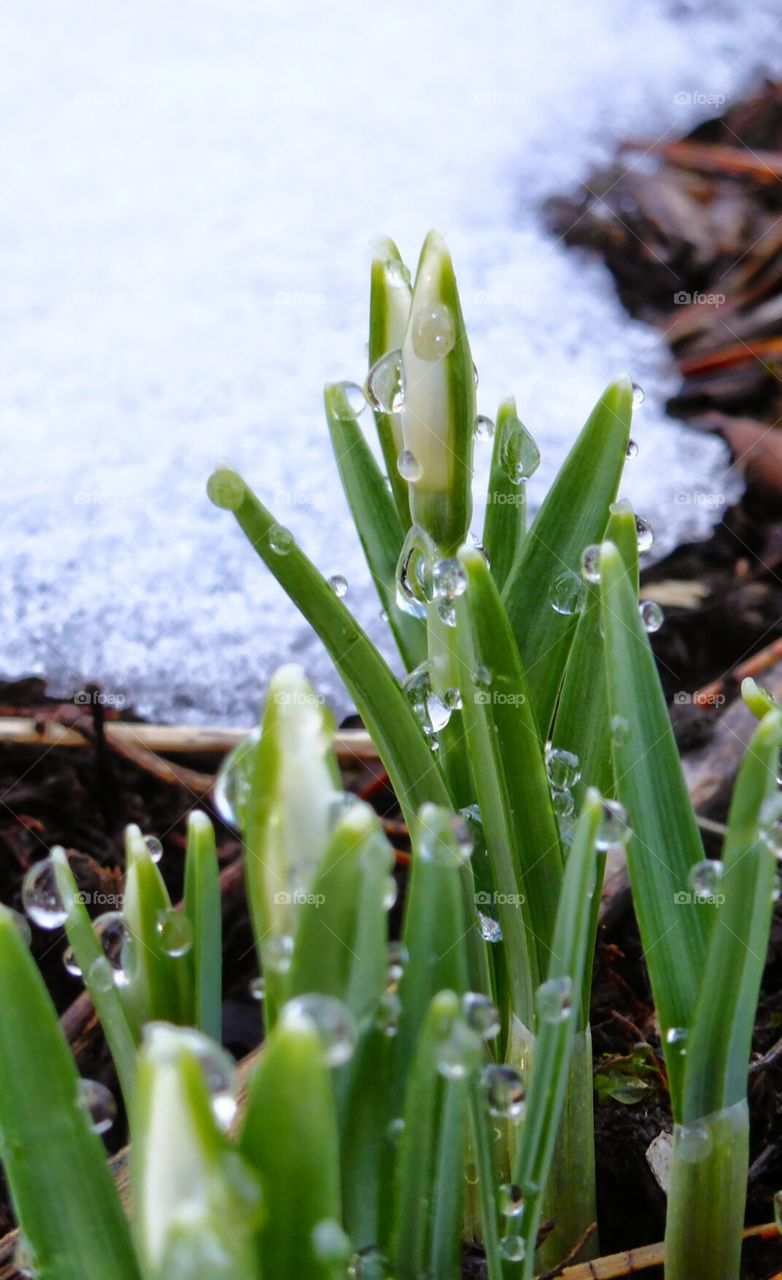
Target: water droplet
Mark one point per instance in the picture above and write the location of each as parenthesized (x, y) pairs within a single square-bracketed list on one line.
[(175, 932), (563, 802), (651, 616), (554, 999), (453, 699), (71, 963), (225, 489), (354, 396), (281, 540), (484, 427), (620, 731), (113, 935), (278, 953), (397, 959), (25, 1260), (491, 930), (333, 1022), (414, 573), (408, 466), (590, 563), (257, 989), (505, 1092), (519, 455), (481, 1015), (564, 767), (99, 1103), (232, 786), (385, 384), (339, 585), (512, 1248), (390, 893), (458, 1049), (638, 395), (389, 1008), (41, 896), (481, 678), (567, 593), (644, 535), (101, 976), (329, 1243), (395, 1130), (397, 274), (446, 612), (693, 1142), (676, 1038), (511, 1200), (613, 826), (449, 579), (704, 879), (434, 333), (154, 848), (632, 450), (369, 1264)]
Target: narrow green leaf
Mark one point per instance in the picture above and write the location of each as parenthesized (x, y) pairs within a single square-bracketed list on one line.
[(341, 946), (435, 935), (203, 908), (95, 967), (721, 1037), (505, 521), (289, 1136), (430, 1169), (376, 519), (380, 701), (159, 984), (572, 517), (366, 1140), (557, 1018), (664, 843), (65, 1199), (512, 786)]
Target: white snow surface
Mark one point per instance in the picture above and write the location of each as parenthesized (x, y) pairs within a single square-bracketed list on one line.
[(189, 194)]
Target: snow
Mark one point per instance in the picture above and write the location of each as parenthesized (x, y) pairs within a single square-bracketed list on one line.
[(189, 194)]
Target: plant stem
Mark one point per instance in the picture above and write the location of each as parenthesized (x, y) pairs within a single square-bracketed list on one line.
[(706, 1196)]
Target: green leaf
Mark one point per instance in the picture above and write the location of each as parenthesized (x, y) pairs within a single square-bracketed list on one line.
[(376, 519), (512, 786), (505, 521), (572, 517), (117, 1028), (203, 908), (159, 985), (557, 1019), (664, 842), (721, 1037), (341, 946), (65, 1199), (289, 1136), (384, 709), (435, 934), (430, 1169)]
